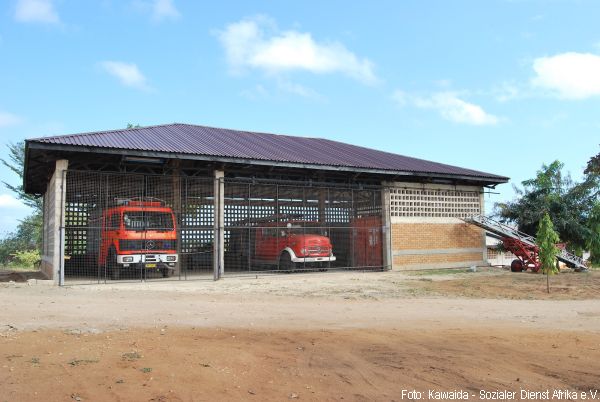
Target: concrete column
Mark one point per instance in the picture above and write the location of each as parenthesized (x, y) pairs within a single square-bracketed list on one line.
[(386, 227), (219, 225), (54, 224), (482, 207)]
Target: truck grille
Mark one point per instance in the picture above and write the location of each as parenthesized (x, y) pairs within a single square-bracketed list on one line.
[(318, 250), (132, 245)]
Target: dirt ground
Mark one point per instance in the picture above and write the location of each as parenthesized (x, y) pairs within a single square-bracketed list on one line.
[(338, 336)]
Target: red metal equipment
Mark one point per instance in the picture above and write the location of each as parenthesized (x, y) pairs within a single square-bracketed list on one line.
[(523, 246), (527, 254)]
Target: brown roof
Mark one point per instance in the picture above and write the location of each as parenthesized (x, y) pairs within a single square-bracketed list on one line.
[(230, 145)]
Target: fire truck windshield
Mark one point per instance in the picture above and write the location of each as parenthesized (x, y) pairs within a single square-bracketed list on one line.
[(147, 220), (307, 230)]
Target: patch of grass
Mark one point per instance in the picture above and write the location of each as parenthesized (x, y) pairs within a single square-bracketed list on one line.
[(34, 360), (445, 271), (80, 362), (11, 357), (131, 356), (146, 369)]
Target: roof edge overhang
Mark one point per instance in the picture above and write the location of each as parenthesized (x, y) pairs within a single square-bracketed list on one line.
[(394, 174)]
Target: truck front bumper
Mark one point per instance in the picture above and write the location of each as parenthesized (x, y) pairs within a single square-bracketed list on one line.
[(312, 259), (147, 259)]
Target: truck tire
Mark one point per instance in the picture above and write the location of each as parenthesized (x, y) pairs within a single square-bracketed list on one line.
[(113, 268), (516, 265), (285, 262), (166, 272)]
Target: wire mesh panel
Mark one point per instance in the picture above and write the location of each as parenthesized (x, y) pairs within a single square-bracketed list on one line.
[(274, 227), (140, 227), (91, 214), (136, 227), (197, 227)]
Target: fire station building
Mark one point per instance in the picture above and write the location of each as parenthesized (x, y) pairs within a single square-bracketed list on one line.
[(182, 201)]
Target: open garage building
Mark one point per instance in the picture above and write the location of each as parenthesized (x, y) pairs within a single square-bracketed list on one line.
[(182, 201)]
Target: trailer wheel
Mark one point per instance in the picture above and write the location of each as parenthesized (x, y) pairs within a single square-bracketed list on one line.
[(113, 268), (286, 263), (516, 265)]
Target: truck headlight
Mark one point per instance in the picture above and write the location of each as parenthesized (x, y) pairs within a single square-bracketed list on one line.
[(171, 258), (303, 251), (127, 259)]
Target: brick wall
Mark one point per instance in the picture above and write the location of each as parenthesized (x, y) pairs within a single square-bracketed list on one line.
[(425, 240), (431, 245)]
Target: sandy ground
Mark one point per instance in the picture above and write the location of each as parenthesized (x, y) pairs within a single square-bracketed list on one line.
[(339, 336)]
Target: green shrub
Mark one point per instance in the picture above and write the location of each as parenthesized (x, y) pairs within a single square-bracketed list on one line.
[(25, 259)]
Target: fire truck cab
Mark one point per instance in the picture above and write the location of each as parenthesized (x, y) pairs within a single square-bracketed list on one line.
[(138, 234)]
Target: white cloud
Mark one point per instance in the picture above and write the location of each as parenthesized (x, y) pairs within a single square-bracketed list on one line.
[(449, 106), (248, 45), (164, 9), (8, 201), (8, 119), (570, 75), (298, 89), (258, 92), (127, 73), (36, 11), (507, 91)]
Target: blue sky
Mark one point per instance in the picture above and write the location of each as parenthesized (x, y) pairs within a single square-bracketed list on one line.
[(498, 86)]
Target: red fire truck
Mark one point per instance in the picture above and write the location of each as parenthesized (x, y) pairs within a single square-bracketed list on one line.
[(138, 234), (288, 245)]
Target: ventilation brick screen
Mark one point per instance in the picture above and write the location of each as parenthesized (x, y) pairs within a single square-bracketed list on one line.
[(444, 203)]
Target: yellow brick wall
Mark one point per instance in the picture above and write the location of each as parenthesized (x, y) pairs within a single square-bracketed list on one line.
[(409, 236), (438, 259), (446, 241)]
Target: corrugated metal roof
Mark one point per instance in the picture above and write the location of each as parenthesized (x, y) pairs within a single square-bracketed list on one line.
[(219, 142)]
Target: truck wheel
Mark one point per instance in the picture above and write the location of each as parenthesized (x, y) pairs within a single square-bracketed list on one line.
[(286, 263), (516, 265), (166, 272), (113, 268)]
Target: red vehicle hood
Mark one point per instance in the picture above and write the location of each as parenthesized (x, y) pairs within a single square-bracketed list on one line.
[(310, 240)]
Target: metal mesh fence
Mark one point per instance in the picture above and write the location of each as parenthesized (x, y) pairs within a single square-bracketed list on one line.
[(138, 227), (287, 228)]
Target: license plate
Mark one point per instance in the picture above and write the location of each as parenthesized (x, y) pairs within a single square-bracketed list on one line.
[(150, 265)]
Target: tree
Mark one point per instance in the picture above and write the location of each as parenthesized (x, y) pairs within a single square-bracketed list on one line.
[(28, 235), (16, 163), (593, 165), (546, 239), (593, 243), (567, 203)]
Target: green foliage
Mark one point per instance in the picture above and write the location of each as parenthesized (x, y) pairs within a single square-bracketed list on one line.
[(547, 238), (593, 165), (27, 237), (16, 163), (567, 203), (593, 242), (131, 125), (25, 259)]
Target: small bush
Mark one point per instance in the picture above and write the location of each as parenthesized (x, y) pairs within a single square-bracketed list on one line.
[(25, 259)]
